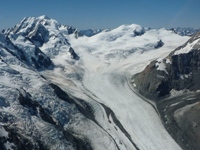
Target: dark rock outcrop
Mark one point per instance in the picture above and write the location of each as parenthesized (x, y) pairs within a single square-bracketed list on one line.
[(42, 59), (39, 36), (139, 32), (159, 44), (73, 54)]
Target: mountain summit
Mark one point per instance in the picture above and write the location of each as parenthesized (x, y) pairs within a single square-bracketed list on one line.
[(44, 17)]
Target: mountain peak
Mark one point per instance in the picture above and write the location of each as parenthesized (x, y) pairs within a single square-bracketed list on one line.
[(44, 17)]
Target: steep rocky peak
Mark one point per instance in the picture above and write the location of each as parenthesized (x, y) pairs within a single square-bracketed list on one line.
[(30, 24)]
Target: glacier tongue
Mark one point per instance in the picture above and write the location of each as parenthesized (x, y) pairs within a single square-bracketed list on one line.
[(105, 73), (50, 100)]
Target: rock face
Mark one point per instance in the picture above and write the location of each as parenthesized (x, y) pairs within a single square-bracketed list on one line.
[(159, 44), (73, 54), (29, 54), (39, 36), (173, 84)]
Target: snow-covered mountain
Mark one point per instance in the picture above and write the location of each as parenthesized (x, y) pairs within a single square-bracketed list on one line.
[(89, 32), (63, 91), (185, 31)]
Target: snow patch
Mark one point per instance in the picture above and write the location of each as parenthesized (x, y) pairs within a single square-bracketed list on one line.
[(134, 85), (183, 76), (3, 132), (175, 104), (175, 93), (187, 48), (161, 66), (9, 145), (168, 61), (190, 99), (43, 17)]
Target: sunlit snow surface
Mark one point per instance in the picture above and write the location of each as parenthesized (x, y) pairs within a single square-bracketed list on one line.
[(102, 78), (187, 48), (108, 60)]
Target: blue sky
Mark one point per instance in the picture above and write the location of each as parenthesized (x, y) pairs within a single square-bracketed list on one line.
[(84, 14)]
